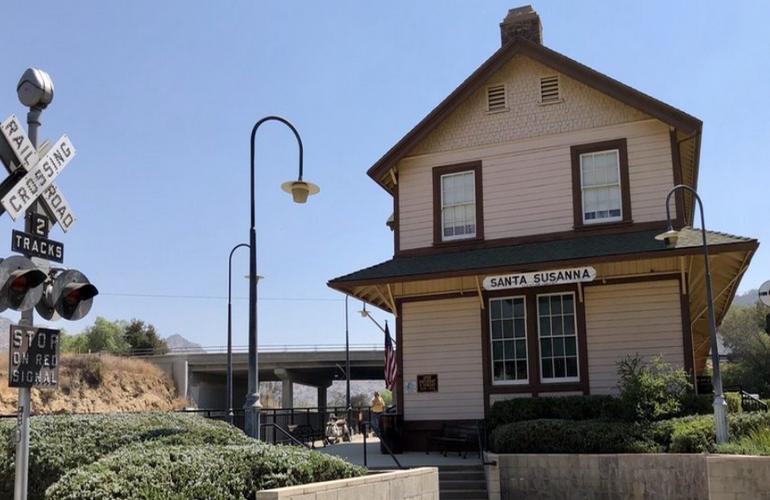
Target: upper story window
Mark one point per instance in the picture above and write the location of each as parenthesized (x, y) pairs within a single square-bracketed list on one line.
[(457, 202), (600, 183), (458, 206)]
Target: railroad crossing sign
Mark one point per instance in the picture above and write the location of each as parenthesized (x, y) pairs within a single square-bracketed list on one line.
[(764, 293), (40, 173)]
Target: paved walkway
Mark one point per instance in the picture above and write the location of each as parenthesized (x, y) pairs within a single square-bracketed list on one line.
[(354, 453)]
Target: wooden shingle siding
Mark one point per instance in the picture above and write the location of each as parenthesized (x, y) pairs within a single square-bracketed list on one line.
[(443, 337), (631, 318), (527, 184)]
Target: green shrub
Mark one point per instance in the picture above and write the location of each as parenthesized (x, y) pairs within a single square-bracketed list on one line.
[(757, 443), (197, 472), (651, 390), (697, 434), (733, 402), (566, 408), (59, 443), (570, 436)]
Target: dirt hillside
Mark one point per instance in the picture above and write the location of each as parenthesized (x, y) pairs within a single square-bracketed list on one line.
[(90, 383)]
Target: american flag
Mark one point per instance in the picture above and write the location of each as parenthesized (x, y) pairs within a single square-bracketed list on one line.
[(391, 371)]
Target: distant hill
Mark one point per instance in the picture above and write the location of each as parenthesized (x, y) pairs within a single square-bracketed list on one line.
[(177, 342), (748, 298)]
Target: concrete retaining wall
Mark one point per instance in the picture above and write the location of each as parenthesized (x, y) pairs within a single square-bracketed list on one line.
[(642, 476), (412, 484)]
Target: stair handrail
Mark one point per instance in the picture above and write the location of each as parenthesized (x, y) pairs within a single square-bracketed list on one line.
[(286, 433)]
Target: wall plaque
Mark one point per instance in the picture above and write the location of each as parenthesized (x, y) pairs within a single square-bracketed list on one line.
[(427, 383)]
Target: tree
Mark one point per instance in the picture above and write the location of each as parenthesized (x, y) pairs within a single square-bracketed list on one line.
[(102, 336), (743, 334), (143, 337)]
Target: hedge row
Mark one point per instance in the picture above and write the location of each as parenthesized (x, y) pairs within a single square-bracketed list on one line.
[(608, 408), (694, 434), (59, 443), (570, 436), (130, 453), (155, 472)]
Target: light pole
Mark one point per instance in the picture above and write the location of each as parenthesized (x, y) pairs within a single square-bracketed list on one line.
[(300, 190), (347, 363), (670, 237), (230, 415)]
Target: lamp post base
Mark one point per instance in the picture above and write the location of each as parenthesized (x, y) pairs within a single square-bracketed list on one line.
[(720, 418), (251, 409)]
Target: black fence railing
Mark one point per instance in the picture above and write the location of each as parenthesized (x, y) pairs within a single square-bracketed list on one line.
[(749, 402), (305, 424)]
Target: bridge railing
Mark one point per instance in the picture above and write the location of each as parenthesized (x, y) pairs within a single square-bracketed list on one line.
[(222, 349)]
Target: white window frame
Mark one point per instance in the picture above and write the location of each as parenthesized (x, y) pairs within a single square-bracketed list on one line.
[(557, 380), (473, 203), (618, 218), (491, 343)]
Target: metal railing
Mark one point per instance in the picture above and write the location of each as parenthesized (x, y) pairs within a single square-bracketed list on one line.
[(311, 420), (221, 349), (749, 402), (383, 443), (280, 430)]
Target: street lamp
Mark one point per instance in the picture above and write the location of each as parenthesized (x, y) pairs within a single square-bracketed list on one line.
[(366, 314), (230, 414), (300, 190), (670, 237)]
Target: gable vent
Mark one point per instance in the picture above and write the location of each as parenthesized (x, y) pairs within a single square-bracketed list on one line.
[(549, 89), (496, 98)]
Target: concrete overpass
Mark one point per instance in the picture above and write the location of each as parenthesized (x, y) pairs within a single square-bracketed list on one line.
[(201, 377)]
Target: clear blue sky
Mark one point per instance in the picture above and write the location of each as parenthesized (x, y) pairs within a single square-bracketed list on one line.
[(159, 98)]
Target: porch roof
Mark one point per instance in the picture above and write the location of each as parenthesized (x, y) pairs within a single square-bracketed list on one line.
[(581, 248)]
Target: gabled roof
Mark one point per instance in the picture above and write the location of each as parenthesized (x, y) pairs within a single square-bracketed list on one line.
[(486, 260), (676, 118)]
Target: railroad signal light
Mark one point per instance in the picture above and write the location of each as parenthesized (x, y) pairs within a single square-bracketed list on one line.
[(20, 283), (69, 295)]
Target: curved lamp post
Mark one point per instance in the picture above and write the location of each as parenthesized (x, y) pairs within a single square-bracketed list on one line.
[(670, 237), (300, 190), (230, 332)]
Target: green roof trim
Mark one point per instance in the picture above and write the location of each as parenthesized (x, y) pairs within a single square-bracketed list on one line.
[(579, 248)]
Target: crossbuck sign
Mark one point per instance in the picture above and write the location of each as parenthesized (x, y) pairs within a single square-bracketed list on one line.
[(41, 171)]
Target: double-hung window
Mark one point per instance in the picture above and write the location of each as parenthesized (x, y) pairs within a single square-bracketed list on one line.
[(557, 333), (458, 205), (600, 183), (508, 328)]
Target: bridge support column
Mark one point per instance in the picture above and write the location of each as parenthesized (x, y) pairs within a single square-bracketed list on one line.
[(287, 393), (322, 398)]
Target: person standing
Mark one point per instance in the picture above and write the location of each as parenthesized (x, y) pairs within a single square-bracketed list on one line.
[(378, 406)]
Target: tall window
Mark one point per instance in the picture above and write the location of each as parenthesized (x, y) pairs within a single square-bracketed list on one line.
[(508, 327), (558, 337), (458, 206), (600, 184)]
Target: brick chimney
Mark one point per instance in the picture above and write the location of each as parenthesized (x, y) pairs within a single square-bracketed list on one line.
[(521, 22)]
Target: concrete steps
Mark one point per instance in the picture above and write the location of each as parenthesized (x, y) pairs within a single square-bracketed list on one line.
[(462, 482), (456, 482)]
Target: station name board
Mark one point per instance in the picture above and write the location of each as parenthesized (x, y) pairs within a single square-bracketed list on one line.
[(540, 278)]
